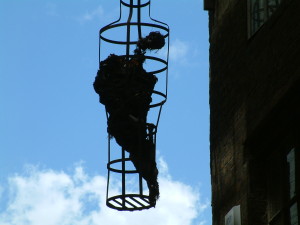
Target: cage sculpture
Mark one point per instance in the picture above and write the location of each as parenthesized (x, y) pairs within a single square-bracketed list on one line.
[(132, 83)]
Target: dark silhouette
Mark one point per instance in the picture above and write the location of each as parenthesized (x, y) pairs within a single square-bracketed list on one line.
[(125, 88), (153, 41)]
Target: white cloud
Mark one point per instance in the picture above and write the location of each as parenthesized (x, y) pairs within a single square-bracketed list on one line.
[(179, 51), (91, 15), (51, 197), (182, 55)]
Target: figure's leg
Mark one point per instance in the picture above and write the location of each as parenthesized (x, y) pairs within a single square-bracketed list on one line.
[(144, 162)]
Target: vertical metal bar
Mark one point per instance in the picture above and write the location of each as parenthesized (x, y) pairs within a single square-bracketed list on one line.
[(158, 117), (152, 132), (141, 184), (167, 71), (127, 57), (139, 152), (139, 20), (99, 50), (166, 36), (108, 171), (123, 178), (128, 30)]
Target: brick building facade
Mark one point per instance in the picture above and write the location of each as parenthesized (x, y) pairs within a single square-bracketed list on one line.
[(255, 110)]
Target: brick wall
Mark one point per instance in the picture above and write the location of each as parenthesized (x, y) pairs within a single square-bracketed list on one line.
[(248, 79)]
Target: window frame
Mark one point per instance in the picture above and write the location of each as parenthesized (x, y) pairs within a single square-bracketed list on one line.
[(266, 15), (290, 201), (282, 216)]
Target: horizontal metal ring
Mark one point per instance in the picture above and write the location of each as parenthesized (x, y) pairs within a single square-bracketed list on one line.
[(135, 201), (111, 26), (161, 102), (135, 6), (109, 166)]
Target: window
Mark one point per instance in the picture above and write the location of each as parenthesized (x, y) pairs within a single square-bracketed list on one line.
[(283, 178), (292, 186), (275, 177), (259, 11)]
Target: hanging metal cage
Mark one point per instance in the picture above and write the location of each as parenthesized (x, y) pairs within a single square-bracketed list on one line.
[(127, 42)]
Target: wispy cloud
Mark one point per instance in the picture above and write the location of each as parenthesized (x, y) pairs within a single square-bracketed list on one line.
[(182, 55), (51, 9), (91, 15), (52, 197), (179, 51)]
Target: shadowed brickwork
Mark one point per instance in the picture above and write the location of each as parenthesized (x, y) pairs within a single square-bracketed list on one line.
[(254, 105)]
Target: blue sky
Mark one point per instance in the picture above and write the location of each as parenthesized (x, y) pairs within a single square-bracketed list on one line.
[(53, 139)]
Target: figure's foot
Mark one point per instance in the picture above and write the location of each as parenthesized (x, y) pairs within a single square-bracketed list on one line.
[(153, 193)]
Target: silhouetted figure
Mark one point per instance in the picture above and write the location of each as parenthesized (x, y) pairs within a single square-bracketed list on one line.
[(125, 89)]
